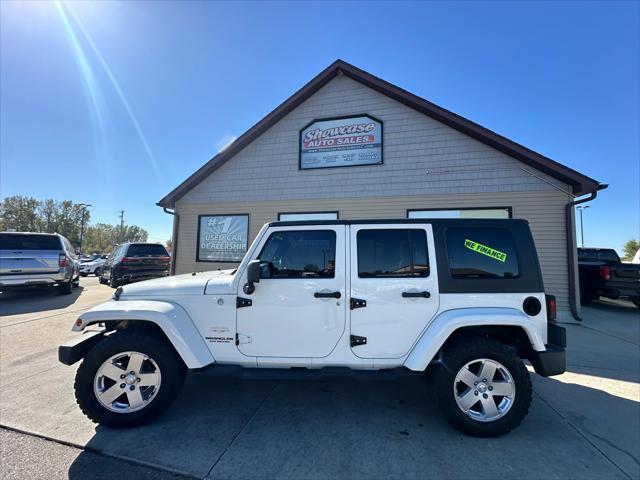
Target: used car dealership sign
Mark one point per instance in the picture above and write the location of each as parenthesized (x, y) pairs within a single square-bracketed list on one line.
[(341, 142)]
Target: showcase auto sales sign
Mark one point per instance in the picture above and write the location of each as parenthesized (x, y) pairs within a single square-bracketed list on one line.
[(341, 142)]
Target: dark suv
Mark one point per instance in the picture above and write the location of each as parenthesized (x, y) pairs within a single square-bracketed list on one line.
[(132, 262)]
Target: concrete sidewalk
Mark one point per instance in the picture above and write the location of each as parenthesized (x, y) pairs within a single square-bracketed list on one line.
[(583, 424)]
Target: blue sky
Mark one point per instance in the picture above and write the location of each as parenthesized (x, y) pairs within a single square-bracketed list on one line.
[(116, 103)]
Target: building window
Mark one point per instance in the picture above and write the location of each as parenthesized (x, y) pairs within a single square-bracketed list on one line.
[(222, 238), (299, 254), (490, 212), (296, 216), (481, 253), (392, 253)]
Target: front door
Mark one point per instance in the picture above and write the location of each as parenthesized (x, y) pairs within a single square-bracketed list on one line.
[(298, 307), (394, 287)]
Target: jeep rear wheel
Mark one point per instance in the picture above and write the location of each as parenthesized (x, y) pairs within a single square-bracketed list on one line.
[(483, 388), (128, 379)]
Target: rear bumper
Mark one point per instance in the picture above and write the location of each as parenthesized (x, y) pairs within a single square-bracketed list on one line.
[(7, 281), (70, 352), (630, 291), (553, 360), (139, 276)]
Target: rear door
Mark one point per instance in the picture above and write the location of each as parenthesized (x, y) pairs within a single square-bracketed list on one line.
[(26, 254), (394, 287)]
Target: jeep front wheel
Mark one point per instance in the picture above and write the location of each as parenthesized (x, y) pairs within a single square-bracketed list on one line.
[(483, 388), (128, 379)]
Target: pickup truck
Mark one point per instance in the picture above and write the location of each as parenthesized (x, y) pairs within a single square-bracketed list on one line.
[(459, 303), (602, 274)]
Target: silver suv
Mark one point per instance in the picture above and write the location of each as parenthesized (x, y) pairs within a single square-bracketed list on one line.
[(28, 259)]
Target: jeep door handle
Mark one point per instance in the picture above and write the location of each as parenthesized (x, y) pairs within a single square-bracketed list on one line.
[(424, 294), (327, 294)]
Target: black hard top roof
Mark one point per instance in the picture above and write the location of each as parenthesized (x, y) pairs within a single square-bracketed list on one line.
[(460, 222)]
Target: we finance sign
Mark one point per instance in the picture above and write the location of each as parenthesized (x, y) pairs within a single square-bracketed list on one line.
[(341, 142)]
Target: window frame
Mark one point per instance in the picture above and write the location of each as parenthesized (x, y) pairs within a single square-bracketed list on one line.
[(235, 262), (447, 265), (335, 252), (308, 213), (413, 277), (409, 210)]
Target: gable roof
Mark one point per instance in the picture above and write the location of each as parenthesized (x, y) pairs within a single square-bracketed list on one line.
[(580, 184)]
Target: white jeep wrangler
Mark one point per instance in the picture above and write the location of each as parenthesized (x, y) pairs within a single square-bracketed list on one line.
[(462, 300)]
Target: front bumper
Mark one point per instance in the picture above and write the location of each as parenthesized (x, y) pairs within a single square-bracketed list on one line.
[(553, 360), (74, 350)]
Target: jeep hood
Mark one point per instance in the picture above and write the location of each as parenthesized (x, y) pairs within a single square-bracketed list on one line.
[(187, 284)]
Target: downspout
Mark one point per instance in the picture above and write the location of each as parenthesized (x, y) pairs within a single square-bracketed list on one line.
[(571, 248), (174, 239)]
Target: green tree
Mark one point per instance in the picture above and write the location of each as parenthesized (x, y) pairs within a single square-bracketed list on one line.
[(101, 237), (630, 249), (19, 214)]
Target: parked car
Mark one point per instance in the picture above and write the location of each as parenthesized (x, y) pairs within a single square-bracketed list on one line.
[(29, 259), (603, 274), (132, 262), (462, 299), (92, 265)]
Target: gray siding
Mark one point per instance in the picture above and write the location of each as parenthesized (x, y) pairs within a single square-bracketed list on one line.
[(421, 157), (543, 210), (426, 165)]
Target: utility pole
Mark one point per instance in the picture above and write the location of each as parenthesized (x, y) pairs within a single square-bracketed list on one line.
[(84, 211), (121, 225), (581, 208)]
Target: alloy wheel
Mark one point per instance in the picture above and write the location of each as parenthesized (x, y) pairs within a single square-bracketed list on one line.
[(484, 390), (127, 382)]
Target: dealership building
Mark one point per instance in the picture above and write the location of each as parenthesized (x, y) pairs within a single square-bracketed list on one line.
[(349, 145)]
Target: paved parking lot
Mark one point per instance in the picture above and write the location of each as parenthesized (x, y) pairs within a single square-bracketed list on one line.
[(583, 424)]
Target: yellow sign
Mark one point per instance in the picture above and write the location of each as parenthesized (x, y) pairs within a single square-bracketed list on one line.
[(484, 250)]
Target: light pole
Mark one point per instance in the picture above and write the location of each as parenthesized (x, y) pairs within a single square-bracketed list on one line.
[(84, 211), (581, 208)]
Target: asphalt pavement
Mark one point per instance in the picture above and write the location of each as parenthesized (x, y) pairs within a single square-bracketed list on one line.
[(583, 424)]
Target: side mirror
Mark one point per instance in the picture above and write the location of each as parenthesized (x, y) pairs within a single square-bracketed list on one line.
[(253, 276)]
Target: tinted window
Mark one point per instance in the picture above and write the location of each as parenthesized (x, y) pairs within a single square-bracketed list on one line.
[(10, 241), (148, 250), (481, 253), (586, 255), (392, 253), (299, 254), (608, 256)]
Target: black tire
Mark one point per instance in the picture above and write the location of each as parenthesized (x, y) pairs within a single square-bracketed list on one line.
[(66, 288), (102, 280), (172, 371), (83, 274), (586, 298), (97, 272), (113, 283), (457, 356)]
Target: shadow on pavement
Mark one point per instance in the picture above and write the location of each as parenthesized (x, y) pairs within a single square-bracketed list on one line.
[(225, 428), (35, 299)]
